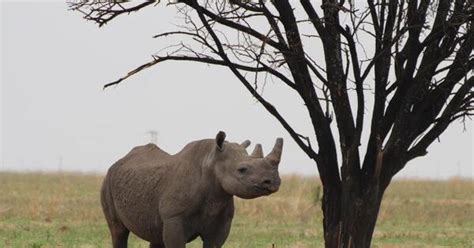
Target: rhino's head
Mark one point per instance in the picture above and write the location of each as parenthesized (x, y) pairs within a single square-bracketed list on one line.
[(246, 176)]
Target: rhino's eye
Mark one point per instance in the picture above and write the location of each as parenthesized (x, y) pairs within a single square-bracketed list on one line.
[(242, 170)]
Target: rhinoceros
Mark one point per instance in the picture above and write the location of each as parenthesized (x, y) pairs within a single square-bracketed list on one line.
[(170, 200)]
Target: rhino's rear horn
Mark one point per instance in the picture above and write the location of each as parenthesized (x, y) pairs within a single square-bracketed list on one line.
[(220, 137), (246, 143), (257, 151), (275, 155)]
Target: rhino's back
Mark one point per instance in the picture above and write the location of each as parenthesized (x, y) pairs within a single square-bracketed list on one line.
[(142, 165), (136, 183)]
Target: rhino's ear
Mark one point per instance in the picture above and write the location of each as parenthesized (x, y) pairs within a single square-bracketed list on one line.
[(246, 143), (220, 137)]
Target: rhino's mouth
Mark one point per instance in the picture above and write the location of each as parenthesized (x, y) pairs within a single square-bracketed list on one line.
[(262, 189)]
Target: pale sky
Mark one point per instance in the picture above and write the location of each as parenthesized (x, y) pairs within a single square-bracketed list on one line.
[(55, 115)]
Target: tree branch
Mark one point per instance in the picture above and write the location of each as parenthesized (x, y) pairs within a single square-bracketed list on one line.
[(102, 12), (269, 107), (206, 60), (442, 123)]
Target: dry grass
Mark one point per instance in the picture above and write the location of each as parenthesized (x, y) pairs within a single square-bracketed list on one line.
[(63, 210), (297, 202)]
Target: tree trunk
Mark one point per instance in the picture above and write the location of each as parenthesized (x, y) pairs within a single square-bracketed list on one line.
[(350, 214), (332, 214)]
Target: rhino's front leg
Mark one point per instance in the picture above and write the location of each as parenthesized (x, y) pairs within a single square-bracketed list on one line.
[(218, 238), (221, 230), (173, 233)]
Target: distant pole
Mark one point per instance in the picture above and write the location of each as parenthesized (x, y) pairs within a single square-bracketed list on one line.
[(153, 136), (459, 169), (60, 163)]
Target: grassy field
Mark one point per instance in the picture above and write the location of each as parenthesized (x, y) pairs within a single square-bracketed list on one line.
[(63, 210)]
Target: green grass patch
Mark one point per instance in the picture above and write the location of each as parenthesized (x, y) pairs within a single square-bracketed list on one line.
[(63, 210)]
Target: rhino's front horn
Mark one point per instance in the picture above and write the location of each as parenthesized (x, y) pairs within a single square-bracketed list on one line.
[(257, 151), (274, 156)]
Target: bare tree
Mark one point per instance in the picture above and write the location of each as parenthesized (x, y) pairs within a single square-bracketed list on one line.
[(413, 58)]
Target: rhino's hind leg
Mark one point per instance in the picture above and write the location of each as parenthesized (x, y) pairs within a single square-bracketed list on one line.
[(119, 237), (118, 231)]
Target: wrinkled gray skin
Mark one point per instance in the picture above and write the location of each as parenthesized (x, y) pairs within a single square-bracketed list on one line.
[(170, 200)]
